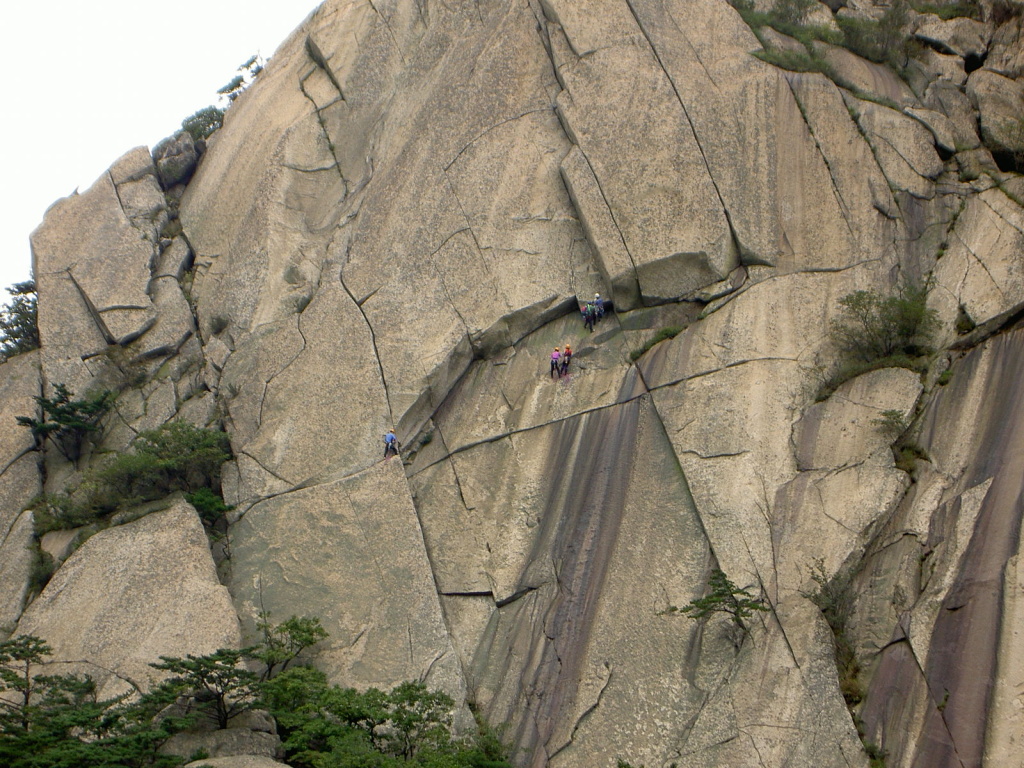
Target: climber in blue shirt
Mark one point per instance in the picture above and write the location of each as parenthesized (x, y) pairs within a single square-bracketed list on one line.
[(390, 444)]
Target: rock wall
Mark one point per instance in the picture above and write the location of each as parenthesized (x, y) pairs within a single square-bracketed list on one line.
[(394, 227)]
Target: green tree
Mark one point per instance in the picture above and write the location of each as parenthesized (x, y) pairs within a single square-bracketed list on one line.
[(325, 726), (284, 642), (19, 326), (173, 457), (203, 123), (874, 327), (57, 721), (247, 72), (66, 421), (221, 686), (723, 597)]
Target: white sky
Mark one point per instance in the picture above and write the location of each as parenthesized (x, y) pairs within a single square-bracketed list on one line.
[(81, 83)]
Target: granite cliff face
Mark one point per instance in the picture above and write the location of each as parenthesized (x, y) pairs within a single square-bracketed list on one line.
[(395, 226)]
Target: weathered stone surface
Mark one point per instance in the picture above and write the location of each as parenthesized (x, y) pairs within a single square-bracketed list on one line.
[(867, 77), (371, 586), (975, 164), (175, 260), (144, 205), (981, 271), (951, 101), (960, 35), (1000, 103), (175, 159), (904, 149), (844, 430), (83, 240), (975, 522), (174, 320), (238, 761), (941, 127), (19, 481), (226, 743), (1005, 54), (328, 339), (862, 212), (394, 228), (16, 561), (132, 593), (944, 66), (693, 250)]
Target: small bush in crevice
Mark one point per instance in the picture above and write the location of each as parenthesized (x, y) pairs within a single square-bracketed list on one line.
[(805, 60), (174, 457), (892, 423), (668, 332), (209, 505), (876, 332), (43, 568), (833, 598), (907, 456), (882, 41)]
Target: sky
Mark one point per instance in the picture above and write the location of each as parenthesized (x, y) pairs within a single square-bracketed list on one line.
[(81, 83)]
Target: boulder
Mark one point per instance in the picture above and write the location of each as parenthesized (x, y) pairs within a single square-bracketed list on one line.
[(131, 594), (83, 241), (849, 427), (942, 66), (227, 743), (238, 761), (1000, 103), (1006, 55), (904, 148), (17, 565), (951, 101), (961, 36), (981, 270), (942, 129), (176, 158)]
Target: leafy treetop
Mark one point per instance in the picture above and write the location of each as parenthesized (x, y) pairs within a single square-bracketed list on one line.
[(19, 327)]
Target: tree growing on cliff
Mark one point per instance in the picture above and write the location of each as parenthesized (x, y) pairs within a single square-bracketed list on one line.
[(723, 597), (57, 720), (874, 331), (19, 327), (65, 421)]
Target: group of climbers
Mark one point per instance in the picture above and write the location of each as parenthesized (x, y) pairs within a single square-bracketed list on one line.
[(592, 311), (560, 361)]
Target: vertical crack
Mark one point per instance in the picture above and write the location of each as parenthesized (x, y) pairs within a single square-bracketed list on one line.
[(817, 145), (373, 340), (689, 120), (327, 136)]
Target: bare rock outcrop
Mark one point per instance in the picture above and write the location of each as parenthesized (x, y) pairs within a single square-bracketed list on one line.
[(131, 594), (396, 225)]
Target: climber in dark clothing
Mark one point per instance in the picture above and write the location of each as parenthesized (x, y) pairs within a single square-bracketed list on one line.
[(390, 444), (589, 316), (566, 357)]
